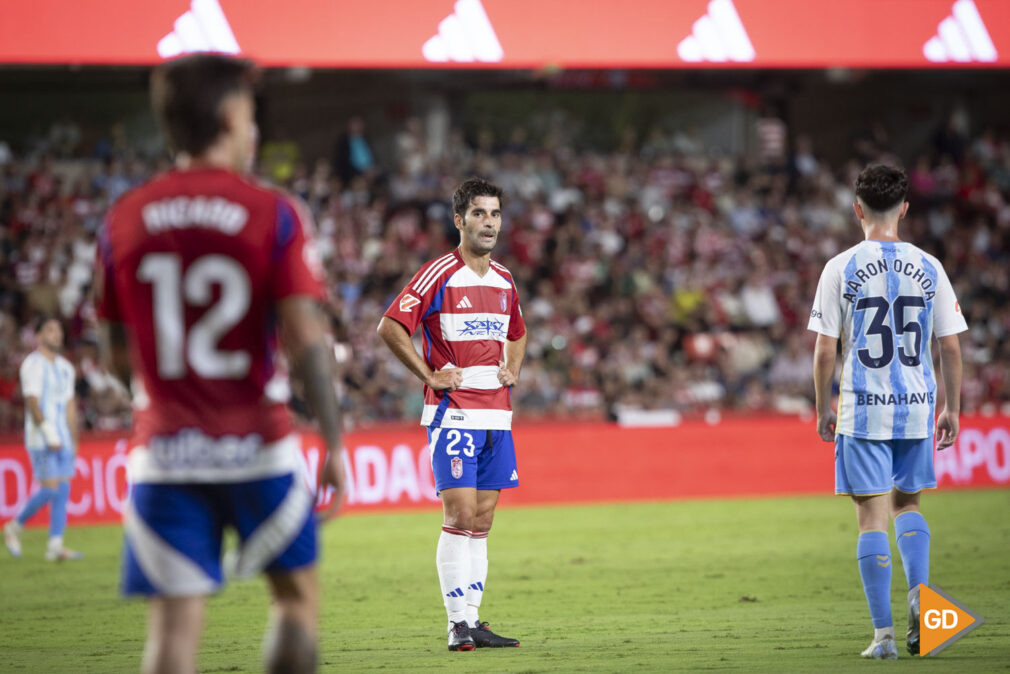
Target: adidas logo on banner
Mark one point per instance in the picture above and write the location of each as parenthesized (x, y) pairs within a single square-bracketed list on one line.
[(717, 36), (961, 37), (464, 303), (466, 35), (203, 28)]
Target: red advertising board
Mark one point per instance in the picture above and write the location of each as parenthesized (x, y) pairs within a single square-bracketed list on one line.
[(563, 463), (515, 33)]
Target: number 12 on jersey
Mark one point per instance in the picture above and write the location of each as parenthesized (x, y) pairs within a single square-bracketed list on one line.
[(173, 290)]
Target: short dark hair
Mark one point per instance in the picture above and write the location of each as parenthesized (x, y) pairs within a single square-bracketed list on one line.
[(40, 322), (186, 95), (881, 187), (470, 188)]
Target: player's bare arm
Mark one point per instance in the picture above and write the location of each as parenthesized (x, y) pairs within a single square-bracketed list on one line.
[(950, 365), (824, 373), (304, 339), (396, 338), (508, 372)]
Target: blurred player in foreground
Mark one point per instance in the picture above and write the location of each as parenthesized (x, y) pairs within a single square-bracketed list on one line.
[(885, 298), (47, 384), (474, 343), (199, 272)]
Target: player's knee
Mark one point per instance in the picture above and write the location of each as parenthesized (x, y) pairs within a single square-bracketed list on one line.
[(289, 647), (482, 522), (459, 514), (460, 519)]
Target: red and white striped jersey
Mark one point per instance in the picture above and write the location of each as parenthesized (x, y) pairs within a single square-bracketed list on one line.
[(465, 321)]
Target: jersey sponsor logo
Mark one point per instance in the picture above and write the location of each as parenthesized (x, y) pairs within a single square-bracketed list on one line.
[(464, 303), (869, 399), (464, 36), (457, 417), (408, 302), (877, 267), (962, 37), (816, 314), (483, 327), (192, 448), (719, 35), (185, 212), (203, 28), (457, 467)]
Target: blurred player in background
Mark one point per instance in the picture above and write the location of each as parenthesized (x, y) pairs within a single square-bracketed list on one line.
[(474, 343), (200, 271), (885, 298), (47, 384)]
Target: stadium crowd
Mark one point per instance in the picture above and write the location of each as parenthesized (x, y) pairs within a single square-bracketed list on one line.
[(657, 276)]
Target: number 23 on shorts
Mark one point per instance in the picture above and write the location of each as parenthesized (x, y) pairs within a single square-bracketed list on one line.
[(454, 436)]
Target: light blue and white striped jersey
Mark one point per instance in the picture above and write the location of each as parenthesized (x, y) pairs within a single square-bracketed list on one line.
[(52, 382), (886, 299)]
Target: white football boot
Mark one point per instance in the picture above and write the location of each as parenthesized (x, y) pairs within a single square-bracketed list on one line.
[(12, 537), (881, 649)]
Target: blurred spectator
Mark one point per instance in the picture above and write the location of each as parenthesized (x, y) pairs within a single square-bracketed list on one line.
[(656, 276), (353, 155)]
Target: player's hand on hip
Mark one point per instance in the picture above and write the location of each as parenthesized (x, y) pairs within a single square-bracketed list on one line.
[(505, 376), (446, 380), (826, 426), (333, 475), (947, 427)]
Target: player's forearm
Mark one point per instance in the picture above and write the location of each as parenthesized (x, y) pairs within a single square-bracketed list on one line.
[(515, 352), (824, 374), (951, 367), (313, 365), (34, 409), (396, 338), (115, 352), (304, 336)]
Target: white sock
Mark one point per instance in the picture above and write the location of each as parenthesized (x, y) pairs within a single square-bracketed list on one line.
[(881, 632), (56, 542), (478, 576), (452, 557)]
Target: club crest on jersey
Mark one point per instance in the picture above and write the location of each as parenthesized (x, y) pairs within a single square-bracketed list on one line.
[(408, 302), (457, 467), (503, 300)]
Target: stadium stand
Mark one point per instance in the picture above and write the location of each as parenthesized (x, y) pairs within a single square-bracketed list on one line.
[(655, 277)]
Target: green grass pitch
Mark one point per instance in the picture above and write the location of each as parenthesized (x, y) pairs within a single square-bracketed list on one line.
[(739, 585)]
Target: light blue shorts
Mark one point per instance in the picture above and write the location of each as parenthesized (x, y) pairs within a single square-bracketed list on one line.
[(869, 467), (52, 464)]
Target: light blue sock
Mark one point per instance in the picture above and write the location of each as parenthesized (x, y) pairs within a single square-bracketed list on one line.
[(35, 503), (58, 514), (912, 533), (874, 555)]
